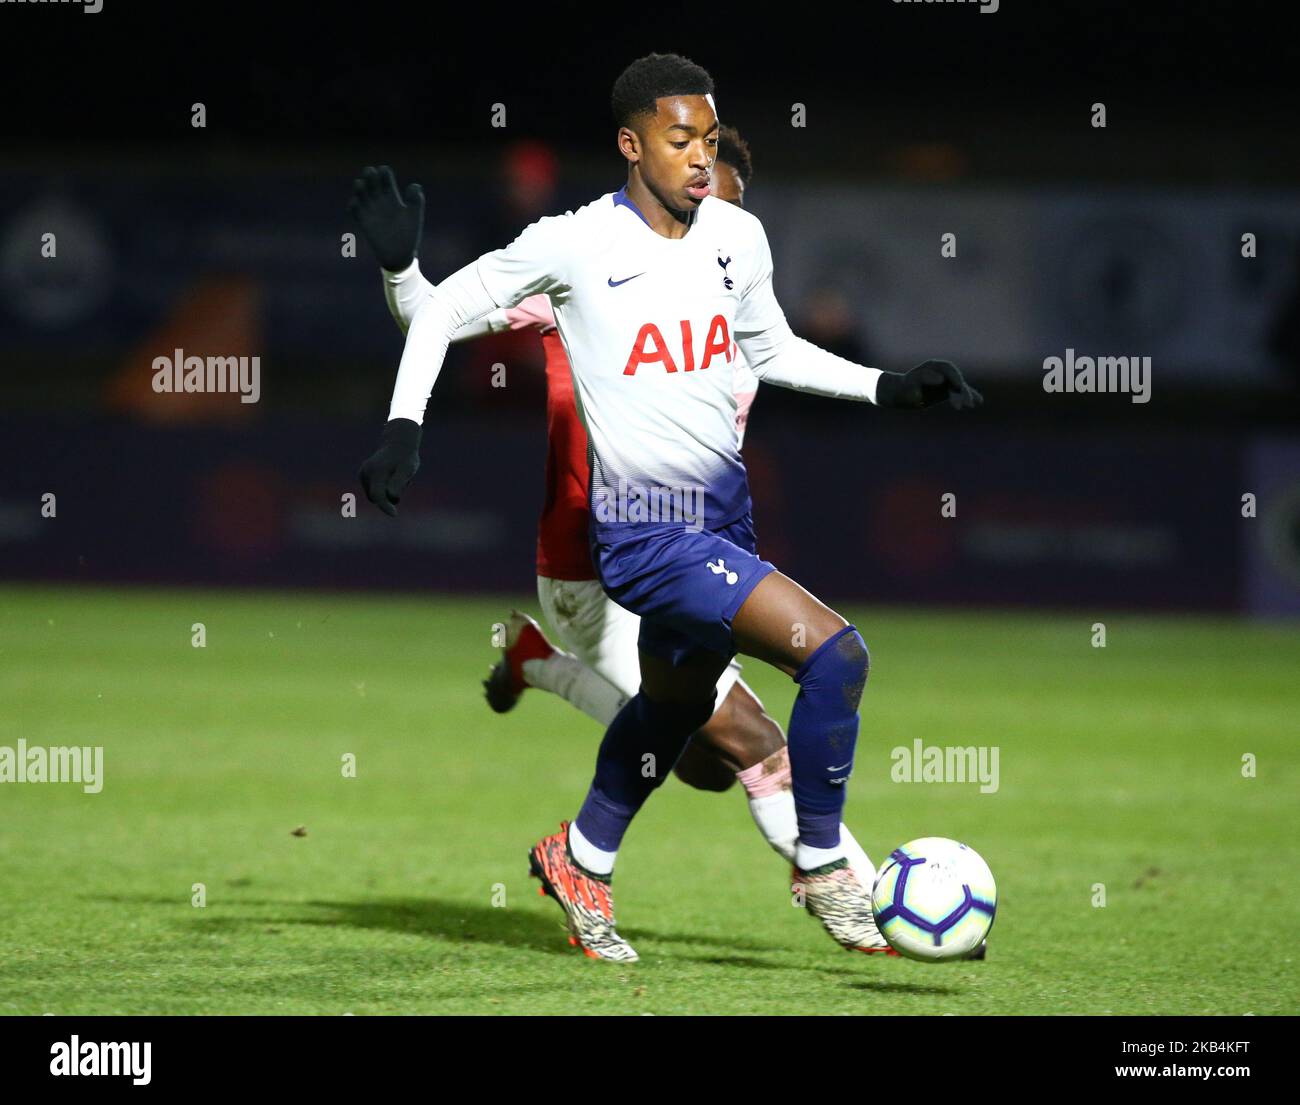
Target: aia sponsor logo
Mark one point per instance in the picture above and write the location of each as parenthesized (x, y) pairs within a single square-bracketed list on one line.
[(651, 348)]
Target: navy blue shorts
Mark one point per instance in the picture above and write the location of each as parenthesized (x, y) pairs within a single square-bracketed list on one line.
[(686, 585)]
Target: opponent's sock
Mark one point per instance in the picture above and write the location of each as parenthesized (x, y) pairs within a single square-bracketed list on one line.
[(640, 748), (771, 804), (809, 859), (858, 859), (771, 801), (564, 674), (823, 734)]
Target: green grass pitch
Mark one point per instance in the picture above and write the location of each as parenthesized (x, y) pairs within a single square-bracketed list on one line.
[(1119, 766)]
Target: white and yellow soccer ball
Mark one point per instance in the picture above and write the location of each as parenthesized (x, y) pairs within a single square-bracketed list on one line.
[(934, 899)]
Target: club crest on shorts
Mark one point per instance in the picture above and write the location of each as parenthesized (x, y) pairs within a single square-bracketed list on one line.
[(721, 569)]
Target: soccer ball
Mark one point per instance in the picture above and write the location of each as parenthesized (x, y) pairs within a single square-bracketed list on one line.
[(934, 899)]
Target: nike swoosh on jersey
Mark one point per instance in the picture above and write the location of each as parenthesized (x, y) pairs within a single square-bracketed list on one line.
[(615, 283)]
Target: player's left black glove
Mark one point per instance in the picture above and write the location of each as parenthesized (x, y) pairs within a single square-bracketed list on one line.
[(387, 472), (391, 224), (925, 385)]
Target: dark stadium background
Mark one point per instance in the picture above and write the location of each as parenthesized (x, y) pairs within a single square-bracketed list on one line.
[(921, 120)]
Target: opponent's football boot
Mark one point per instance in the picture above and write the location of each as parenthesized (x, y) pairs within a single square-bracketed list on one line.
[(834, 895), (524, 641)]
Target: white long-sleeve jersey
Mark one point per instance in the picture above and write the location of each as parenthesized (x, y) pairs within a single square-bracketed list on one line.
[(648, 324), (404, 290)]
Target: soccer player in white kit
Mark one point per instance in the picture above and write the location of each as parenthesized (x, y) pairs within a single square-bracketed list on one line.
[(597, 667), (648, 287)]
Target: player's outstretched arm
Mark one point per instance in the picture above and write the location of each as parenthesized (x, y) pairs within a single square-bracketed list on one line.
[(778, 356), (390, 223), (405, 291), (448, 306), (386, 472), (391, 226), (928, 383), (533, 263)]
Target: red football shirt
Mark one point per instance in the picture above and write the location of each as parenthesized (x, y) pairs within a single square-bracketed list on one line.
[(562, 549)]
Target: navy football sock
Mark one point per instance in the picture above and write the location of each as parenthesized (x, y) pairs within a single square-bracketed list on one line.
[(624, 777), (824, 733)]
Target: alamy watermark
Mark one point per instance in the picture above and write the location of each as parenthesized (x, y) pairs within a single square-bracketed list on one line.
[(640, 503), (91, 7), (89, 1058), (209, 374), (1099, 375), (946, 764), (987, 7), (58, 764)]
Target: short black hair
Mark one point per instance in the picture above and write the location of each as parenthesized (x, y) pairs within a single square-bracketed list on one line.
[(652, 77), (734, 150)]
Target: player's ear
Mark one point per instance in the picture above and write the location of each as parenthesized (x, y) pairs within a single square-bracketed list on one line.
[(629, 145)]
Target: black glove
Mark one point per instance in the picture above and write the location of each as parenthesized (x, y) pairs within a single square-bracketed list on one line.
[(391, 226), (385, 474), (925, 385)]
